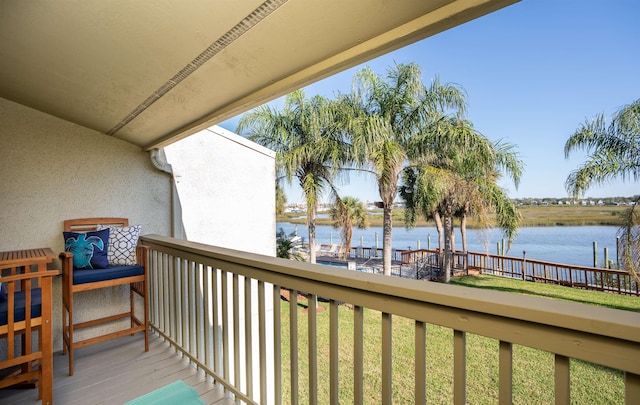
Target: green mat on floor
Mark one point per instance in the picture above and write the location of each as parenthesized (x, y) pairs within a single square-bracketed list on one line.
[(174, 393)]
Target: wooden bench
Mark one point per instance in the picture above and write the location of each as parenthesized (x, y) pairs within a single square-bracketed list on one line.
[(25, 308), (78, 280)]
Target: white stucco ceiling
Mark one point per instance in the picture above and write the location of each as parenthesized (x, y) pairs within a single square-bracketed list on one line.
[(153, 71)]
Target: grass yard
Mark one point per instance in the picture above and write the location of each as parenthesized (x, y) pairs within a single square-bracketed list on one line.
[(615, 301), (533, 369)]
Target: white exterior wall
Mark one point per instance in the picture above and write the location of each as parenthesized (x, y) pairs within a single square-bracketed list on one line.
[(226, 189), (52, 170)]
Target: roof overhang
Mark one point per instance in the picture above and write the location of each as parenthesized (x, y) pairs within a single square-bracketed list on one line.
[(152, 72)]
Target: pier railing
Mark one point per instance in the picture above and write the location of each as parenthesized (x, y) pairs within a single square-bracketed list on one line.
[(360, 252), (222, 309), (588, 278)]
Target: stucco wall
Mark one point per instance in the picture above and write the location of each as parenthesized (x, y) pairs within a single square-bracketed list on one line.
[(226, 188), (52, 170)]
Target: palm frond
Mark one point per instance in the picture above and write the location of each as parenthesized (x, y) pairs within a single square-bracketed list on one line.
[(614, 150), (629, 235)]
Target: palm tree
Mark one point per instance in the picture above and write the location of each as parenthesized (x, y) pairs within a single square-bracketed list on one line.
[(281, 199), (384, 120), (286, 246), (458, 178), (307, 144), (614, 150), (614, 153), (345, 213)]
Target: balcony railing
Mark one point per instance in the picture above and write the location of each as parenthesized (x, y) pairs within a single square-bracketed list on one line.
[(222, 309)]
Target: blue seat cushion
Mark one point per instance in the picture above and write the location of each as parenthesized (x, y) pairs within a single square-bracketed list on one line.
[(19, 306), (110, 273)]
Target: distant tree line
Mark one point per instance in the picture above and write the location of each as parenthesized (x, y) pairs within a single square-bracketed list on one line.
[(580, 201)]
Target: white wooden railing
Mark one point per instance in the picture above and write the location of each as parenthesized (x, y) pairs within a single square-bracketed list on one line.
[(216, 305)]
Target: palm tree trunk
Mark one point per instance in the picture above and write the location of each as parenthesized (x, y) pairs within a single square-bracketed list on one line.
[(386, 239), (452, 235), (438, 220), (347, 245), (447, 247), (311, 223), (463, 231)]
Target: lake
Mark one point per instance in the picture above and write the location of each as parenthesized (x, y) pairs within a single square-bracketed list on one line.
[(560, 244)]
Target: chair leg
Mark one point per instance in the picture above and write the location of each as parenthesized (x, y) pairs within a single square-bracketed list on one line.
[(64, 328), (145, 290), (70, 336), (45, 383), (131, 306)]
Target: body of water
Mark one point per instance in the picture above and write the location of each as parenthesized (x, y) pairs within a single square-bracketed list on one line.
[(560, 244)]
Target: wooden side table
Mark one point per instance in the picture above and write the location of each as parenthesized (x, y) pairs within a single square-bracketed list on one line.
[(23, 259)]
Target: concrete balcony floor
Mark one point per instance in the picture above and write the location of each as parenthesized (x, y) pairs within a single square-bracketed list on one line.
[(118, 371)]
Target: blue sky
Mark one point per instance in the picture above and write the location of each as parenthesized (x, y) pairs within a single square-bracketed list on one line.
[(533, 72)]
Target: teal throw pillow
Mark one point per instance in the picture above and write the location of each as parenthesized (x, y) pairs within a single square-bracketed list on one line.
[(89, 249)]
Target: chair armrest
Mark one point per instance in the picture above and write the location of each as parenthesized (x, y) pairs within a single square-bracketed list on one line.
[(27, 276), (66, 258), (142, 254)]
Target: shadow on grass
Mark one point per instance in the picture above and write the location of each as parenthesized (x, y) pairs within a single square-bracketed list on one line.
[(485, 284)]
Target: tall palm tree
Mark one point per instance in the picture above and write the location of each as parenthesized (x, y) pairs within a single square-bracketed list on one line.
[(345, 213), (307, 143), (458, 178), (384, 118), (614, 153)]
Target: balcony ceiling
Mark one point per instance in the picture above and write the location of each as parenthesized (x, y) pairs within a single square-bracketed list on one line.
[(151, 72)]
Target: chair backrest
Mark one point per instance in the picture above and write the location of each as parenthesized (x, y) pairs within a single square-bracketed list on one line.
[(90, 224)]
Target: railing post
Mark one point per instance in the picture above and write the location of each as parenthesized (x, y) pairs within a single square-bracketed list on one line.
[(293, 345), (334, 377), (506, 373), (421, 362), (312, 305), (248, 341), (387, 354), (262, 340), (459, 367), (631, 388), (277, 345), (358, 355), (562, 380)]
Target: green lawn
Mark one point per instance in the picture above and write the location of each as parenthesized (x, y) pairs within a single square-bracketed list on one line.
[(533, 369), (615, 301)]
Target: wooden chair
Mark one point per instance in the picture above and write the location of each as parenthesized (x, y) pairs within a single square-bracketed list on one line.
[(27, 309), (74, 281)]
